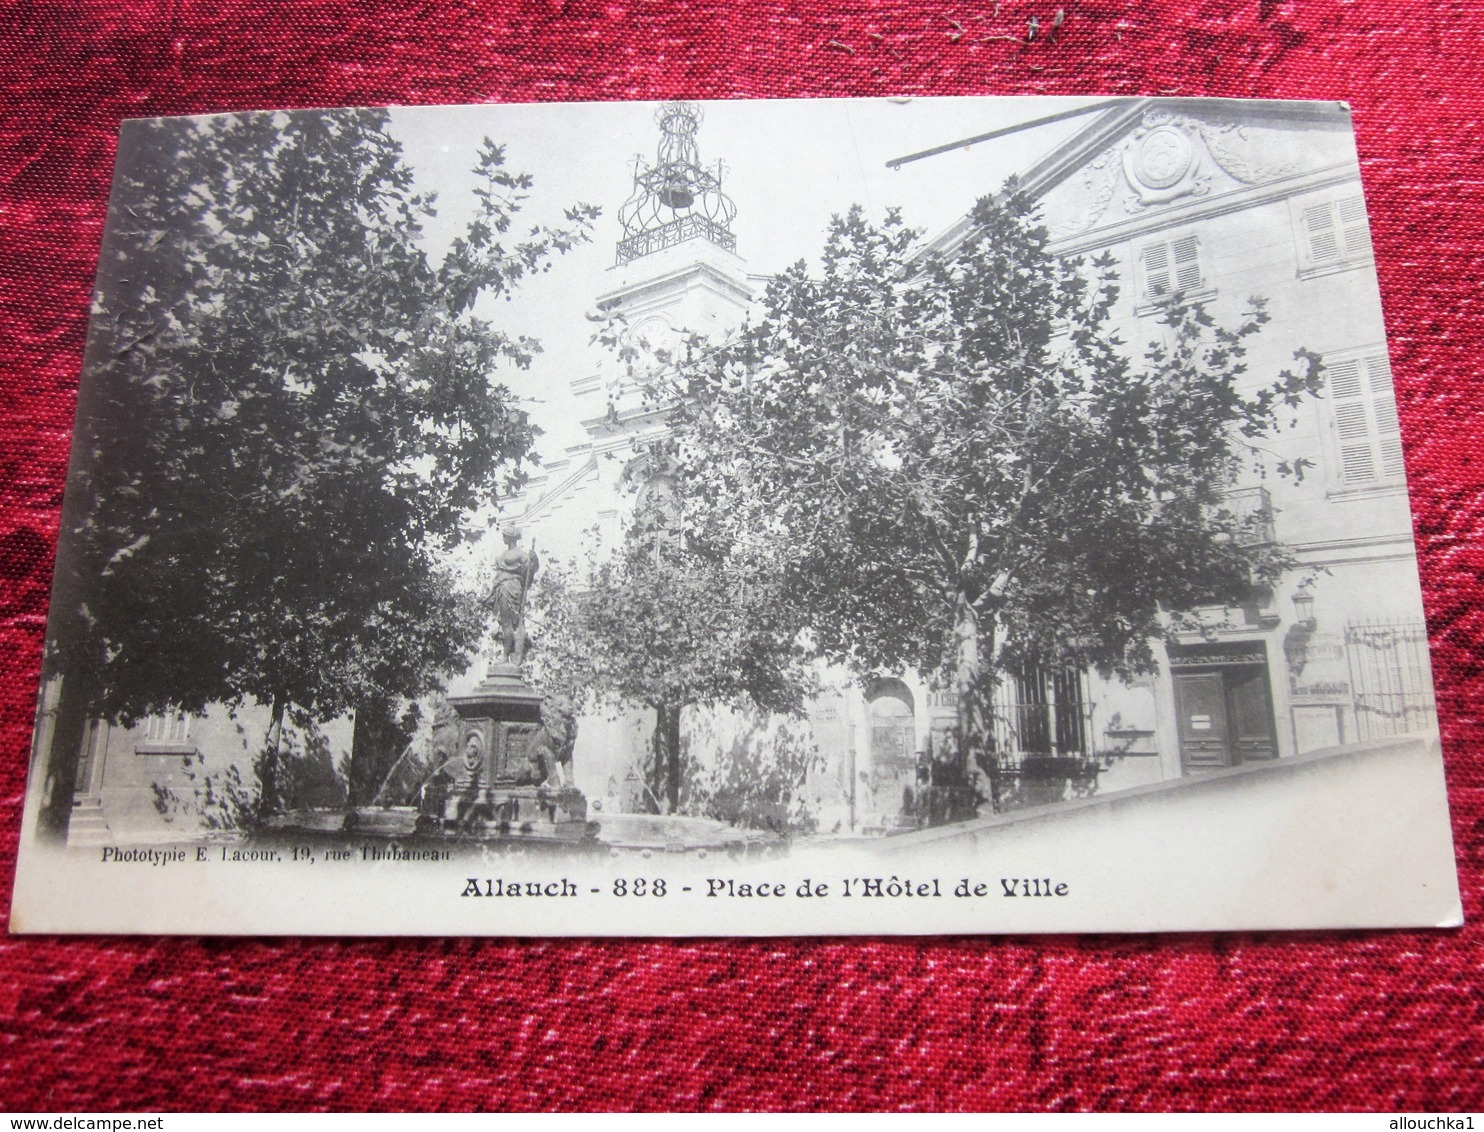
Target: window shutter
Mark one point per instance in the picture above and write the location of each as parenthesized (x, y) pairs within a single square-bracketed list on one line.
[(1337, 231), (1357, 231), (1352, 423), (1157, 270), (1364, 407), (1388, 429), (1186, 252), (1173, 266), (167, 729), (1324, 241)]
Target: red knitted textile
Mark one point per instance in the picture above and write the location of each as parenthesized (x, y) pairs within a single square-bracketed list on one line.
[(1390, 1021)]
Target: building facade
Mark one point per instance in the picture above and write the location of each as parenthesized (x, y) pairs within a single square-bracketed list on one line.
[(1224, 201), (173, 776)]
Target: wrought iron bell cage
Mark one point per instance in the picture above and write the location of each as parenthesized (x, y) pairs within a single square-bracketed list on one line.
[(676, 198)]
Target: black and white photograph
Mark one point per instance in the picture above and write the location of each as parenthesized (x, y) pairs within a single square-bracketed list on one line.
[(892, 516)]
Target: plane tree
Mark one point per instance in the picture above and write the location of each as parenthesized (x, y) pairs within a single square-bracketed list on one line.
[(670, 625), (964, 470), (288, 415)]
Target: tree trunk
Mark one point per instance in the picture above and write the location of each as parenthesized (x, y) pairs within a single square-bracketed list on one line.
[(74, 711), (672, 740), (658, 761), (268, 768), (975, 703), (667, 757)]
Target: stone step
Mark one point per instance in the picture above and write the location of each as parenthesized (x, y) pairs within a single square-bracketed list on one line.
[(88, 828)]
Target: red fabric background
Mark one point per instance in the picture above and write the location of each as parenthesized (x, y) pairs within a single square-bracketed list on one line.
[(1391, 1021)]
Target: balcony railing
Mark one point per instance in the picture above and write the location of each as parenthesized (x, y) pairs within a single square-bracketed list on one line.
[(675, 232), (1253, 510)]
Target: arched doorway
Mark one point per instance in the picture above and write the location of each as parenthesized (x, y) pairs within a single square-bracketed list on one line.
[(892, 774)]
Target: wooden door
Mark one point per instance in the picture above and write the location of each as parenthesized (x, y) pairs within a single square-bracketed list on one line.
[(1251, 715), (1205, 734)]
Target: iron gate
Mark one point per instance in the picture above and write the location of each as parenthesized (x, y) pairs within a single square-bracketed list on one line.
[(1391, 678)]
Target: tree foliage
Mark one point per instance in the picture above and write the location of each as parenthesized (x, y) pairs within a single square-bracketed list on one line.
[(963, 469), (288, 415), (665, 626)]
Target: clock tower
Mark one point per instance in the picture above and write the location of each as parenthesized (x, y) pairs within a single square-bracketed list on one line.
[(676, 271)]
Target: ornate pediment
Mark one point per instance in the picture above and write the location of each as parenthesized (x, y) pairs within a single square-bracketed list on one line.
[(1169, 157)]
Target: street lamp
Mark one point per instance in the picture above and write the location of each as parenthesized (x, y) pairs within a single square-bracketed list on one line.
[(1303, 608)]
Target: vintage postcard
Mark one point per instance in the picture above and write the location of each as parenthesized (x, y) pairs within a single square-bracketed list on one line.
[(826, 517)]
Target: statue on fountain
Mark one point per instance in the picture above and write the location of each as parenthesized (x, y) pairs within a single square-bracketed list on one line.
[(511, 778), (515, 570)]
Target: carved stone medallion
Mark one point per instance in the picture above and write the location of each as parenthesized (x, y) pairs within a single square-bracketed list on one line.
[(1163, 157), (1162, 164)]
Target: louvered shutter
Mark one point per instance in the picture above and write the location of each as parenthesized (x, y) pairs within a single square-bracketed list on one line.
[(1175, 266), (1357, 232), (1157, 270), (1388, 430), (166, 729), (1364, 406), (1352, 423), (1186, 254), (1337, 231), (1324, 241)]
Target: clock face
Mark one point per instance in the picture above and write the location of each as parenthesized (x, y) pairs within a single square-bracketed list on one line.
[(652, 333), (646, 336), (1163, 157)]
